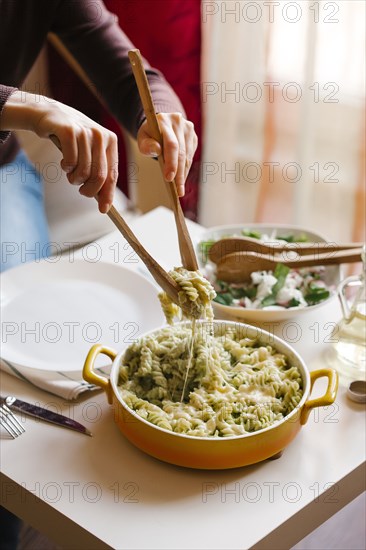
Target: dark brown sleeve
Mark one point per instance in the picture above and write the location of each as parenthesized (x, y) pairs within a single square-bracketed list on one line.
[(93, 37), (5, 93)]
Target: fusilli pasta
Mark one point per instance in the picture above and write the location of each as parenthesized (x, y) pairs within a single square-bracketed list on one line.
[(235, 384), (195, 289)]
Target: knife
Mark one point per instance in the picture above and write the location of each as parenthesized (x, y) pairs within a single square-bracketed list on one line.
[(44, 414)]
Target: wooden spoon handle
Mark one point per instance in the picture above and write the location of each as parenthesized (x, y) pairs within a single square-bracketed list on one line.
[(160, 275), (237, 267), (229, 245), (186, 248), (330, 258)]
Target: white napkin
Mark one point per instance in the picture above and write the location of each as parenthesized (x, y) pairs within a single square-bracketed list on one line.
[(68, 385)]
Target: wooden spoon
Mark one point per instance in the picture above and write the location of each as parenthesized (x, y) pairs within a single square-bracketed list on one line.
[(163, 278), (237, 267), (186, 248), (226, 246)]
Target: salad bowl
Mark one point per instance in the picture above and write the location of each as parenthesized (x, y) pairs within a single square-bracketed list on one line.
[(225, 307)]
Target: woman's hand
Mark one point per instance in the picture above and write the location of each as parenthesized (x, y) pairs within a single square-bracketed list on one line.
[(179, 144), (90, 154)]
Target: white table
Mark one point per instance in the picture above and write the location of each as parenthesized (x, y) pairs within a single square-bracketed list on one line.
[(102, 492)]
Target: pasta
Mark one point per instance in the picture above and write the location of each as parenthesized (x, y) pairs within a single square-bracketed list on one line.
[(186, 379), (199, 293), (235, 384), (195, 289)]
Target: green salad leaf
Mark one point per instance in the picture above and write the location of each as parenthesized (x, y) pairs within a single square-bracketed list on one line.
[(238, 293), (204, 247), (316, 294), (252, 234), (229, 293), (222, 284), (290, 238), (251, 292), (302, 238), (224, 298)]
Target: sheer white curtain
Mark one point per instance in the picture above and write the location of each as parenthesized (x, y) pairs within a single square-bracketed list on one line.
[(283, 95), (234, 53)]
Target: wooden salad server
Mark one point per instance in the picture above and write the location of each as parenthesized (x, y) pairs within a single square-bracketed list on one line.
[(228, 245), (237, 267), (188, 256)]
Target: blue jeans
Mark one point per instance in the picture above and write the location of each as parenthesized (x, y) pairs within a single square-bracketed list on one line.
[(24, 237), (24, 230)]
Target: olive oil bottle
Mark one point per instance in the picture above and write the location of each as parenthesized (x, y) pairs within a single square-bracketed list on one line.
[(348, 355)]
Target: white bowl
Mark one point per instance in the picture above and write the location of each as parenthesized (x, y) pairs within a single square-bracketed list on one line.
[(332, 274)]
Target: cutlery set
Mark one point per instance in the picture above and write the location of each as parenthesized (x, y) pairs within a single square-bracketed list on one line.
[(14, 428)]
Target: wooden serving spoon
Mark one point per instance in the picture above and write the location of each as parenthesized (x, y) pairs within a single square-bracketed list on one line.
[(237, 267), (226, 246), (186, 248)]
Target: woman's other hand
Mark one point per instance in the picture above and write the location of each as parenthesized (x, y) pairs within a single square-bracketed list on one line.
[(179, 144)]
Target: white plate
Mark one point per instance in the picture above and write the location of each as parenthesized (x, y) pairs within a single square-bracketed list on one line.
[(52, 313), (332, 274)]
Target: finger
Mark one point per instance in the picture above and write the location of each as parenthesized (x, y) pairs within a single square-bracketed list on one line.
[(187, 168), (106, 194), (98, 167), (180, 176), (147, 145), (191, 142), (178, 156), (82, 170), (68, 144), (171, 152)]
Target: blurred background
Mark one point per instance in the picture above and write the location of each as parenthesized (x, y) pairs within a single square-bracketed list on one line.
[(295, 124)]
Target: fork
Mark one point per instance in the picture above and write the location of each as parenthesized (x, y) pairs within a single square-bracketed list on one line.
[(10, 422)]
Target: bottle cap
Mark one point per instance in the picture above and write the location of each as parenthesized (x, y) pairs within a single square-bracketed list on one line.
[(357, 391)]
